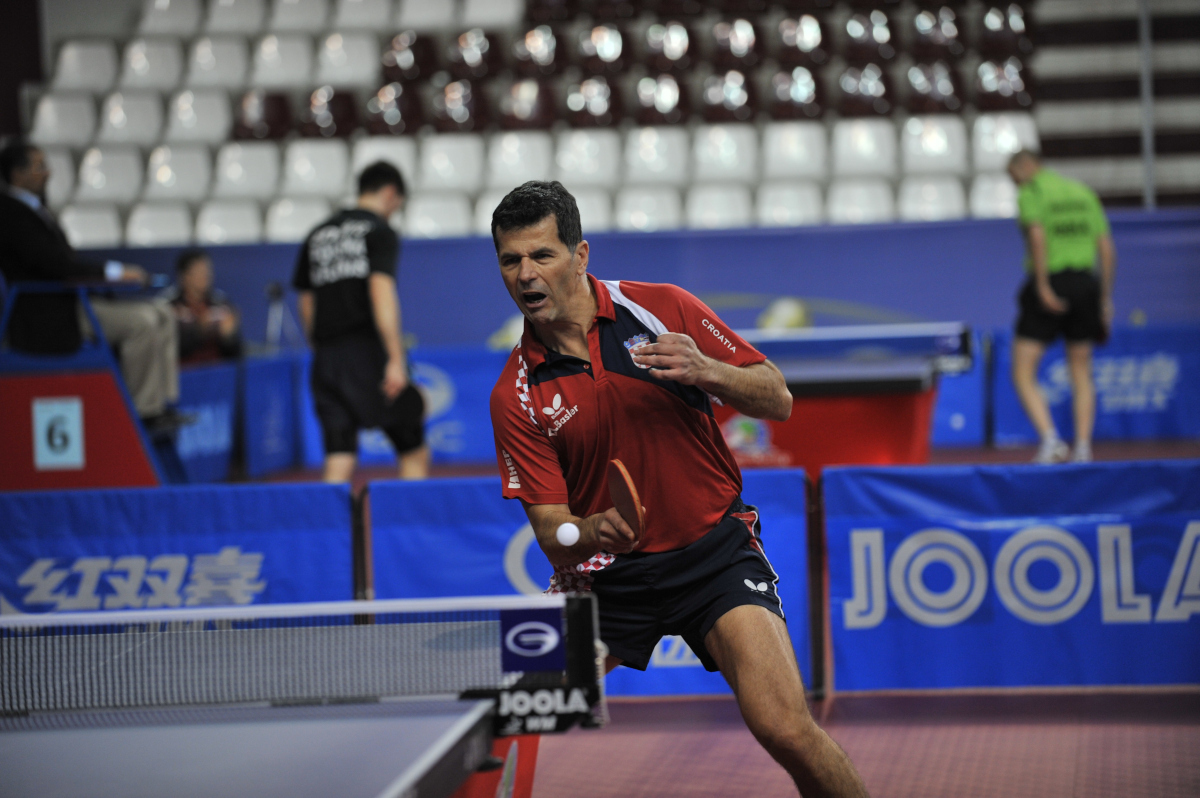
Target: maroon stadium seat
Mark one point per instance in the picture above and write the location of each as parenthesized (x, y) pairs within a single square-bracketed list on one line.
[(329, 114), (865, 91), (1002, 85), (459, 107), (737, 44), (602, 49), (741, 6), (474, 53), (551, 10), (800, 40), (538, 50), (729, 97), (670, 46), (615, 9), (527, 104), (678, 8), (870, 37), (937, 34), (409, 56), (262, 115), (662, 100), (394, 109), (593, 102), (934, 88), (797, 93), (1004, 31)]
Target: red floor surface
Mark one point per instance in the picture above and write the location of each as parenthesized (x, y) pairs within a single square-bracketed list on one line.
[(1035, 745)]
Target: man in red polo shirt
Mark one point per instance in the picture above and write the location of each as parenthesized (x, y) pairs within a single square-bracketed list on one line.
[(618, 369)]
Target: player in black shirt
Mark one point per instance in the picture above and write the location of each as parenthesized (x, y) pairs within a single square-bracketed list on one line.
[(346, 276)]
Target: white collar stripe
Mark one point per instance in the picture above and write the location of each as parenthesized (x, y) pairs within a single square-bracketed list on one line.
[(647, 318)]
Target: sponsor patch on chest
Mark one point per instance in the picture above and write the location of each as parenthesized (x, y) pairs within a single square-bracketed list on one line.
[(635, 343)]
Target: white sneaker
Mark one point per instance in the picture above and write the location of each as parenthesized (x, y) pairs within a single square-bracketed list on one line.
[(1082, 454), (1052, 451)]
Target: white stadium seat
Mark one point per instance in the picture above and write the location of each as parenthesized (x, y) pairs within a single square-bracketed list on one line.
[(864, 148), (996, 137), (438, 215), (247, 170), (492, 13), (657, 155), (152, 64), (595, 210), (860, 201), (109, 174), (229, 222), (236, 16), (175, 17), (932, 199), (91, 226), (348, 60), (86, 66), (313, 167), (422, 15), (516, 157), (130, 118), (789, 204), (399, 151), (795, 150), (993, 196), (934, 144), (451, 162), (589, 158), (484, 206), (717, 207), (290, 220), (726, 153), (64, 120), (201, 116), (218, 63), (363, 14), (648, 208), (282, 62), (299, 15), (61, 184), (180, 172), (160, 224)]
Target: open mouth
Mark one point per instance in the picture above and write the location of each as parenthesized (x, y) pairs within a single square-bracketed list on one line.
[(533, 299)]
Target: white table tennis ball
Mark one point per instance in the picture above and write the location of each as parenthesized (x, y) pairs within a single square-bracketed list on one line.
[(567, 534)]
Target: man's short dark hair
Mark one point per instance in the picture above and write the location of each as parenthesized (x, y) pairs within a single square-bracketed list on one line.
[(529, 203), (15, 155), (378, 175), (188, 257), (1022, 156)]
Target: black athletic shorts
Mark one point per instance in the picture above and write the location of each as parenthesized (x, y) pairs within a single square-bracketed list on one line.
[(346, 379), (683, 592), (1083, 321)]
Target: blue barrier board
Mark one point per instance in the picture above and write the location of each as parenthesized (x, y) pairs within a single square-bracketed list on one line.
[(1147, 386), (174, 547), (459, 537), (206, 446), (269, 413), (960, 413), (1005, 576)]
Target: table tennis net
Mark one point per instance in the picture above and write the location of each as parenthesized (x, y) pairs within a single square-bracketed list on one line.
[(344, 651)]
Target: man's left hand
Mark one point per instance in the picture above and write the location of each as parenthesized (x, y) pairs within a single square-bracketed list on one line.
[(395, 379), (674, 356)]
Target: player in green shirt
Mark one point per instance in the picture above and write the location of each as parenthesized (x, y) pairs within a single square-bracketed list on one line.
[(1066, 235)]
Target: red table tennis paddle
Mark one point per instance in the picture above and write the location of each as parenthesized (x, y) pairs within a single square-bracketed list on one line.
[(625, 497)]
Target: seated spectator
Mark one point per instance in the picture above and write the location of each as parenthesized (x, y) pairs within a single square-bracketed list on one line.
[(209, 327)]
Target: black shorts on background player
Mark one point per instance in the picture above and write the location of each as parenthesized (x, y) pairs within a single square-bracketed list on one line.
[(683, 592), (1083, 320), (346, 378)]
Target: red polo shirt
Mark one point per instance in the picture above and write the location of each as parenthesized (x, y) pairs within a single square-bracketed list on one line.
[(558, 420)]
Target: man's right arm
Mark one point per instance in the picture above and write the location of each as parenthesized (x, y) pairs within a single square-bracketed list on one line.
[(1041, 273), (1108, 273), (307, 307), (606, 531)]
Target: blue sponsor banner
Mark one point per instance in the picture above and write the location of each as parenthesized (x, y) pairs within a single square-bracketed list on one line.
[(460, 537), (269, 407), (1007, 576), (174, 547), (1147, 386), (960, 413), (209, 393)]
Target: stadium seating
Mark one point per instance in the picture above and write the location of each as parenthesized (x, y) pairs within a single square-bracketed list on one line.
[(173, 17), (329, 113), (474, 53), (648, 208), (595, 210), (229, 222), (1004, 31), (657, 155), (789, 204), (670, 46), (308, 16), (514, 158), (200, 116), (729, 97), (362, 14), (130, 118), (348, 60), (795, 150), (491, 13), (934, 145), (63, 120), (716, 207), (589, 158), (801, 41), (109, 174), (934, 89), (870, 37), (315, 168), (662, 100), (995, 137), (438, 215), (737, 44), (864, 147), (218, 62), (527, 104), (536, 51), (459, 107), (152, 64), (860, 201), (94, 225), (451, 162), (1002, 85), (290, 220), (593, 102), (424, 16), (602, 49), (993, 196), (61, 184), (180, 172), (262, 115), (933, 198), (484, 206), (245, 17), (400, 151), (282, 61), (865, 91), (247, 170), (86, 66), (937, 33), (159, 224), (727, 153), (409, 56), (796, 94)]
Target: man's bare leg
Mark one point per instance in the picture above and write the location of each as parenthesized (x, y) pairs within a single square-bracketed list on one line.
[(1027, 355), (1083, 396), (414, 464), (339, 467), (752, 649)]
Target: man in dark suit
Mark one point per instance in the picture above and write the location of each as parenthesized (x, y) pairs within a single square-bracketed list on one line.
[(33, 248)]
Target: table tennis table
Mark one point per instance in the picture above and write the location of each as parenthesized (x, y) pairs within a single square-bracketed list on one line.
[(359, 699)]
